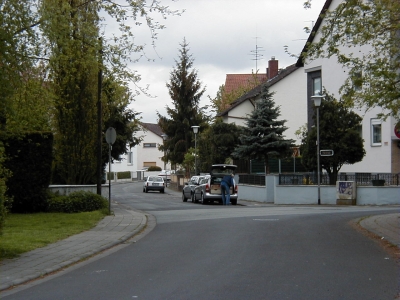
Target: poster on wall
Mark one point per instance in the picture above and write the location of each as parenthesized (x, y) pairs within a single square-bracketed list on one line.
[(346, 192)]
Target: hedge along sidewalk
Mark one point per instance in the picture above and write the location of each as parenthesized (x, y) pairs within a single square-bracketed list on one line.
[(111, 231)]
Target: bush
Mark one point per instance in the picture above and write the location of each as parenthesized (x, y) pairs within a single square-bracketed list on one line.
[(154, 168), (124, 175), (80, 201), (28, 157)]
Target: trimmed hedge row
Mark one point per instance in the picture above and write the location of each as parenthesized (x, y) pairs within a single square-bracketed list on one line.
[(28, 158), (80, 201)]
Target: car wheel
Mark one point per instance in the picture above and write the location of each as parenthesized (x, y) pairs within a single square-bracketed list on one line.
[(184, 199), (193, 199), (145, 190), (233, 202), (203, 201)]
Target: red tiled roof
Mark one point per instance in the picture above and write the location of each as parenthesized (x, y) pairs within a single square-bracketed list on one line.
[(235, 81)]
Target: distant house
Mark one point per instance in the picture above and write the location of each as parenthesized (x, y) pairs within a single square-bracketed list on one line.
[(290, 93), (145, 154)]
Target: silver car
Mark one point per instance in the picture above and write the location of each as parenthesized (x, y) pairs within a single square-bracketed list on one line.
[(154, 183), (209, 189), (187, 191)]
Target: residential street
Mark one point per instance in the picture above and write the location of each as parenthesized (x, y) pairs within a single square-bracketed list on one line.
[(249, 251)]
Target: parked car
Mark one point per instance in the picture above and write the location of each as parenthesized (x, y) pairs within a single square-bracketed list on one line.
[(187, 190), (166, 174), (209, 189), (154, 183)]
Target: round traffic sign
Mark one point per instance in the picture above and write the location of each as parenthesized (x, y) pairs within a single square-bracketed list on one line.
[(111, 135)]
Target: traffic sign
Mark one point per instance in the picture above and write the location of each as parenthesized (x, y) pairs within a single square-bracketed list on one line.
[(111, 135), (326, 152)]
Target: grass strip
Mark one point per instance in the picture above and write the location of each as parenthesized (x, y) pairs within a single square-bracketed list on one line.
[(26, 232)]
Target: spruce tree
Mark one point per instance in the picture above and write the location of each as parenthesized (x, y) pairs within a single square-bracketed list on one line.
[(263, 138), (185, 90)]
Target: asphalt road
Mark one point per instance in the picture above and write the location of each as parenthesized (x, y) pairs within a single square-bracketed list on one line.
[(255, 251)]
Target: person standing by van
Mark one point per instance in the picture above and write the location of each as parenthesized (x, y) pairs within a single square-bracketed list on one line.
[(226, 184)]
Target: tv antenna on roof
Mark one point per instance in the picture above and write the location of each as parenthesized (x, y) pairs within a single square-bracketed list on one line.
[(256, 53)]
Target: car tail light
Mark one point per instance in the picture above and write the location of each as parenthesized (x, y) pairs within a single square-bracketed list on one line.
[(236, 189), (207, 188)]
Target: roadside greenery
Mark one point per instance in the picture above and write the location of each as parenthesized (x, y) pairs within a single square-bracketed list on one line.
[(341, 133), (185, 90), (80, 201), (26, 232), (263, 137)]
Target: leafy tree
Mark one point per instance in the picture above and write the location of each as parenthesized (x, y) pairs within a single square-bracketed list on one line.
[(216, 143), (116, 114), (185, 91), (340, 130), (223, 99), (262, 138), (31, 107), (374, 77), (18, 42), (72, 29)]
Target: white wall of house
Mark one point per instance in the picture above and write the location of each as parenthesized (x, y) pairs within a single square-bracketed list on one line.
[(147, 150), (290, 93), (238, 114), (379, 156), (142, 154)]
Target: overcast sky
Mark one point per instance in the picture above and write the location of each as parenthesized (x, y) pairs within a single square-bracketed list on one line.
[(221, 36)]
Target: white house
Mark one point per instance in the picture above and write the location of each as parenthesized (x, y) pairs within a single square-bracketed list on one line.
[(380, 141), (145, 154), (293, 89), (290, 93)]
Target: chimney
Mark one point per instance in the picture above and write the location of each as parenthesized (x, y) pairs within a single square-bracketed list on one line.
[(272, 68)]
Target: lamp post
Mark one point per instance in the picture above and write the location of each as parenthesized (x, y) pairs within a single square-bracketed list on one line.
[(164, 136), (195, 130), (317, 103)]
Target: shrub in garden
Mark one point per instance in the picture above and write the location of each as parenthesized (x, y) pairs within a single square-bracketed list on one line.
[(154, 168), (124, 175), (79, 201)]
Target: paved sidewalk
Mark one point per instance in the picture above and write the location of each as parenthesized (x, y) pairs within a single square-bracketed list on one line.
[(111, 231), (386, 226)]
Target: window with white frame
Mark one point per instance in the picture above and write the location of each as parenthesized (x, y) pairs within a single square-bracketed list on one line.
[(376, 132), (130, 158)]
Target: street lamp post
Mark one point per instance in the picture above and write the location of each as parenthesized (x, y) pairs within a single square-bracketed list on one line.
[(195, 130), (317, 103), (164, 136)]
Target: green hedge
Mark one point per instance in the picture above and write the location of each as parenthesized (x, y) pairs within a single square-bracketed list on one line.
[(154, 168), (28, 158), (80, 201), (124, 175)]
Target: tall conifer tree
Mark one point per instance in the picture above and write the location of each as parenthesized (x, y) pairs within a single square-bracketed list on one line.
[(263, 138), (185, 90)]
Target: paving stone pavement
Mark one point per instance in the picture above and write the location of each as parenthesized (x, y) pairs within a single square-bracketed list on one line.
[(116, 229), (111, 231)]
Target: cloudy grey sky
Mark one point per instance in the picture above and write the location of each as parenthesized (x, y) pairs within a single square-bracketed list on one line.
[(221, 36)]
